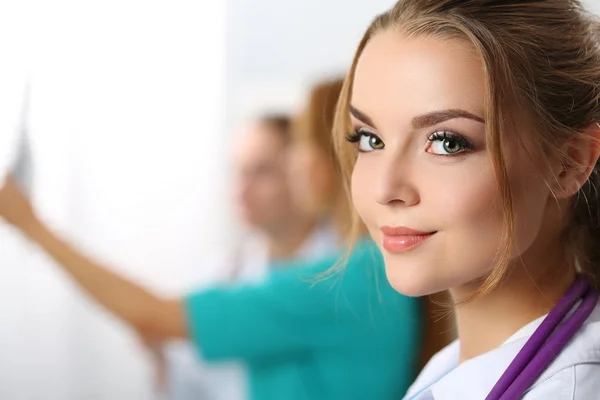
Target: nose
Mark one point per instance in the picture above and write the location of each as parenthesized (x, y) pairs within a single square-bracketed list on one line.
[(395, 186)]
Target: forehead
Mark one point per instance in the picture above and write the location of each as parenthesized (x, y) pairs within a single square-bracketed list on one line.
[(398, 77), (258, 142)]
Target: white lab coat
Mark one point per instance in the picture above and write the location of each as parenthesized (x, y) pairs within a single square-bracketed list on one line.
[(188, 377), (573, 375)]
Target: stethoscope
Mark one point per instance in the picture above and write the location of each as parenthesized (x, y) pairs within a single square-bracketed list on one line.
[(547, 342)]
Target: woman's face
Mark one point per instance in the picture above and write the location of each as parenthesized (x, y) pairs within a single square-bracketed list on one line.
[(424, 182)]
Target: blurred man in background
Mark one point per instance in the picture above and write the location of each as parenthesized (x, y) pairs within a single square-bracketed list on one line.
[(278, 232), (282, 230)]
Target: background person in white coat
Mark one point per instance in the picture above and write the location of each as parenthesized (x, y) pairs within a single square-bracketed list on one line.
[(469, 133)]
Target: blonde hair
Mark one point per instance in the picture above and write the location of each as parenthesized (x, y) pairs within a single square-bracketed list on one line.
[(315, 123), (541, 58), (314, 126)]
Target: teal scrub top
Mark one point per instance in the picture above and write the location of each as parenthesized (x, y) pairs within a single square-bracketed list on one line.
[(350, 336)]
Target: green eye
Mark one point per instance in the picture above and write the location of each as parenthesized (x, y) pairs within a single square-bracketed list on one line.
[(451, 146), (448, 144), (367, 141), (370, 142)]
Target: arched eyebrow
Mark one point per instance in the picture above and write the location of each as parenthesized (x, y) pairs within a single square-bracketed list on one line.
[(423, 120)]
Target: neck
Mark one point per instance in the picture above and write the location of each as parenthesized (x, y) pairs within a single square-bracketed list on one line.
[(529, 291), (283, 243)]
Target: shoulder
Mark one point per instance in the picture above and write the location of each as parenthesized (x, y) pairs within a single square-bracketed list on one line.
[(575, 372), (436, 368), (322, 241), (577, 382)]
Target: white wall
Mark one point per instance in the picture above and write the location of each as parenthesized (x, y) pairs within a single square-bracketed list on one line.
[(275, 49), (593, 5), (125, 119)]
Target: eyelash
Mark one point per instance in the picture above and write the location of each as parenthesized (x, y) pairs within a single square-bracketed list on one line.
[(355, 135), (441, 136)]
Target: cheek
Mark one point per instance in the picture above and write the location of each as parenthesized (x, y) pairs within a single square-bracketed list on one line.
[(462, 199), (467, 207), (463, 204), (451, 197), (298, 162), (530, 194), (269, 190), (277, 191)]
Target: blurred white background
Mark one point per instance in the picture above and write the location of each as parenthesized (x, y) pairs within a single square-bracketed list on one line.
[(122, 113), (129, 108)]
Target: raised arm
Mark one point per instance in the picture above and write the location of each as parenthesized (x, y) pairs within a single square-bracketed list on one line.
[(288, 313), (149, 314)]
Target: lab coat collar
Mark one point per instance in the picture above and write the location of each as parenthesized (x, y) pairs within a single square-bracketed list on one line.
[(475, 378)]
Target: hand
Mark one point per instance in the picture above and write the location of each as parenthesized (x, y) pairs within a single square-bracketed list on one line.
[(155, 348), (15, 208)]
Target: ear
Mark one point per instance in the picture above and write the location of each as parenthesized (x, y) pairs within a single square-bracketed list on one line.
[(581, 158)]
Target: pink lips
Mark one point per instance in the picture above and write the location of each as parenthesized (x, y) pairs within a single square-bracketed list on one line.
[(399, 239)]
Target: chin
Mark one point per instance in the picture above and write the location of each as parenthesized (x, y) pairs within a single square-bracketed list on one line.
[(253, 222), (413, 279)]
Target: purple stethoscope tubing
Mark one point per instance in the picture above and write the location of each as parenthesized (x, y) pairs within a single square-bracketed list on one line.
[(546, 342)]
